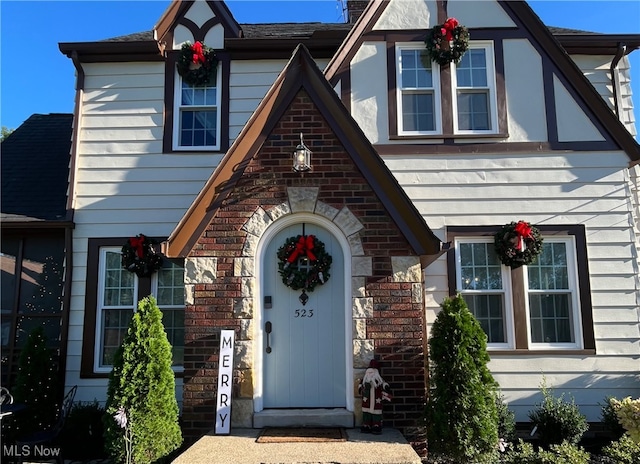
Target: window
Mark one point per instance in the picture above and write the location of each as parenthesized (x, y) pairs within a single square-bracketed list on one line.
[(418, 92), (553, 295), (197, 115), (110, 305), (543, 306), (473, 84), (485, 286), (436, 101)]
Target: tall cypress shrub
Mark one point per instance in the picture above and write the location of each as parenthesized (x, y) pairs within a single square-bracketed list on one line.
[(462, 418), (142, 385)]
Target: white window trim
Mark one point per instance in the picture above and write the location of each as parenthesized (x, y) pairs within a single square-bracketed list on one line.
[(572, 270), (177, 94), (507, 289), (100, 307), (491, 83), (437, 93)]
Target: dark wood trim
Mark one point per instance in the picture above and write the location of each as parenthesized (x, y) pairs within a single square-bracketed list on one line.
[(549, 95), (504, 148), (518, 296), (200, 32), (532, 352), (578, 231), (392, 94)]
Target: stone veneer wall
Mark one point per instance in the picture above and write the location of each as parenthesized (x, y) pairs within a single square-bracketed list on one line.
[(388, 310)]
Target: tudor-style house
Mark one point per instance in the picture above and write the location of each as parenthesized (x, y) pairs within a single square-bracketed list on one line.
[(413, 166)]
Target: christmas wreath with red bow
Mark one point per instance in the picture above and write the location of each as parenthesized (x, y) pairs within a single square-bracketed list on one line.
[(447, 42), (293, 253), (518, 244), (197, 64), (139, 256)]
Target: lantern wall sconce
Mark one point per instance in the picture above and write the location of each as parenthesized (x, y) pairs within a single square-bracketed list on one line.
[(302, 157)]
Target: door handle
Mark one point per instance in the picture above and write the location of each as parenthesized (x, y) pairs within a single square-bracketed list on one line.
[(267, 329)]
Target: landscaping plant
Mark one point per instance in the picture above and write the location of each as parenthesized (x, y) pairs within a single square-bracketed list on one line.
[(461, 414), (628, 412), (623, 451), (37, 385), (609, 418), (141, 420), (557, 420)]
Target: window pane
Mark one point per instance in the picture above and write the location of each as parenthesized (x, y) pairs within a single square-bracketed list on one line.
[(415, 70), (198, 128), (550, 271), (473, 111), (472, 70), (115, 323), (489, 311), (417, 112), (479, 269), (118, 283), (551, 320)]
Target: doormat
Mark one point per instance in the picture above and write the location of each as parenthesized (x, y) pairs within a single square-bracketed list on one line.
[(291, 435)]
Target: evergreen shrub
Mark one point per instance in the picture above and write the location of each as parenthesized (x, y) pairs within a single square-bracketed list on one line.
[(461, 415), (557, 420), (142, 387)]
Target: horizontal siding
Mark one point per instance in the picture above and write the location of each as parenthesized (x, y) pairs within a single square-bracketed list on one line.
[(596, 69), (584, 188), (125, 184)]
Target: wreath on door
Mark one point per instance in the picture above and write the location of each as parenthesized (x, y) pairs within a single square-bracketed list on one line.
[(518, 244), (139, 256), (292, 257)]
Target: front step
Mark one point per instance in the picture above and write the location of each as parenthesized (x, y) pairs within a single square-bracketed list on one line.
[(338, 417)]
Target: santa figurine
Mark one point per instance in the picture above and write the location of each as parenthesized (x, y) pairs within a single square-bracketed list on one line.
[(374, 391)]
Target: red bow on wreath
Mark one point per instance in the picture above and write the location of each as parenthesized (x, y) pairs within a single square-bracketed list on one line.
[(524, 231), (303, 247), (198, 53), (448, 27), (138, 244)]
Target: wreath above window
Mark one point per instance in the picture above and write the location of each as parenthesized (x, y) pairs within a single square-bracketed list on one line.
[(139, 256), (518, 244), (447, 42), (303, 262), (197, 64)]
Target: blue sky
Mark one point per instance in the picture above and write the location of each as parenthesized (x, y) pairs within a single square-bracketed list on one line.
[(36, 78)]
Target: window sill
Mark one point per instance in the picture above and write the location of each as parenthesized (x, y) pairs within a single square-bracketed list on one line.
[(543, 352), (450, 136)]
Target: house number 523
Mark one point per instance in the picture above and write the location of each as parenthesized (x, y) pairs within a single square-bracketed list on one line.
[(304, 313)]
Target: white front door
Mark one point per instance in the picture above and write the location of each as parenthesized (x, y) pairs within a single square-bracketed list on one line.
[(304, 355)]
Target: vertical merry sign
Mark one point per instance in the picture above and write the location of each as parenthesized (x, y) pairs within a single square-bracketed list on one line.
[(225, 374)]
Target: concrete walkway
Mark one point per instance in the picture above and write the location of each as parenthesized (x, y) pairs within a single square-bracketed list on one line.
[(240, 447)]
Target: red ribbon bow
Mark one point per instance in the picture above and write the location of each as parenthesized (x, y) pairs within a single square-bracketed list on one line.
[(448, 27), (524, 231), (138, 244), (304, 247), (198, 54)]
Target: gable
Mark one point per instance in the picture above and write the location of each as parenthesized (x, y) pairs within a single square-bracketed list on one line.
[(567, 112), (301, 74), (204, 20)]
